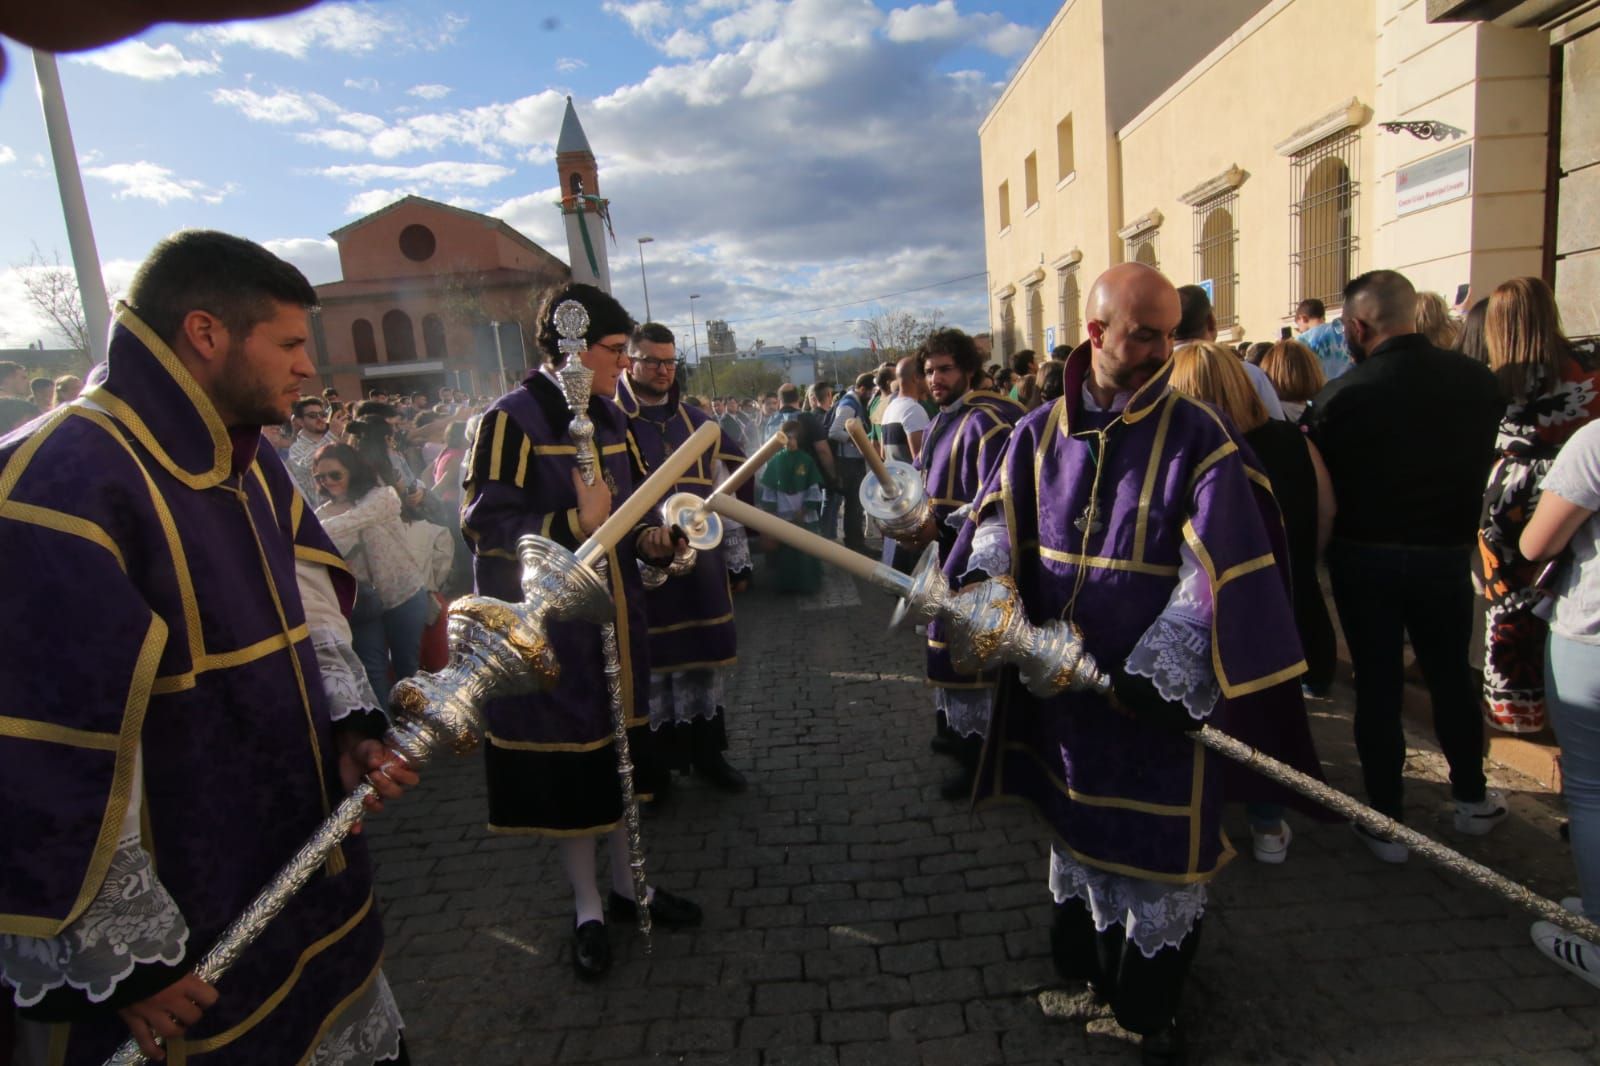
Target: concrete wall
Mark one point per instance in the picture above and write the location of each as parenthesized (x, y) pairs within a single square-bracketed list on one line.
[(1149, 45), (1235, 110), (1578, 214)]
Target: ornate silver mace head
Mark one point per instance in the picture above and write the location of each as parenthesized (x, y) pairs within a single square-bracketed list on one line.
[(577, 382), (553, 576), (899, 507)]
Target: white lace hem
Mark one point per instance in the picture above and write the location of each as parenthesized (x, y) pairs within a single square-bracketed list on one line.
[(991, 550), (736, 547), (968, 710), (685, 696), (131, 922), (344, 679), (1153, 915), (372, 1033)]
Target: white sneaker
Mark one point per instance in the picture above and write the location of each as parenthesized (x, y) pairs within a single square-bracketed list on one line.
[(1386, 850), (1476, 819), (1271, 848), (1572, 953)]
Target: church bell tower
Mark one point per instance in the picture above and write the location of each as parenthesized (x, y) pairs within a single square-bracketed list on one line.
[(585, 212)]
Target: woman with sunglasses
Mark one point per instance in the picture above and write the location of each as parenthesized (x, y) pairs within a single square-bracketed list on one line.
[(362, 515)]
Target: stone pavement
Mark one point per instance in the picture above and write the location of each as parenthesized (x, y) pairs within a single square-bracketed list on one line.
[(854, 918)]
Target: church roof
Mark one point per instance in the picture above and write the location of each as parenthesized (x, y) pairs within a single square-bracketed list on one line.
[(572, 138), (485, 220)]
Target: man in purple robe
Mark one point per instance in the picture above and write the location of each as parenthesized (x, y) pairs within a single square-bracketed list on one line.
[(1133, 513), (176, 726), (693, 640), (960, 451), (550, 759)]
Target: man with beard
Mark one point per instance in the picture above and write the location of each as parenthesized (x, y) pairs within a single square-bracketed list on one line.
[(156, 777), (692, 634), (959, 451), (1130, 512), (1409, 479)]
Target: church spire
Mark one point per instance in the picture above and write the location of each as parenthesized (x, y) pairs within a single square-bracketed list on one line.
[(583, 209)]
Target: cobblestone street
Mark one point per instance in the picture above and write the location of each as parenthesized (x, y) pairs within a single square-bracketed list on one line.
[(855, 918)]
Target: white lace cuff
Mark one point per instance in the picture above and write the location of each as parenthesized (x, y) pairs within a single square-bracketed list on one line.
[(131, 922), (344, 680), (1175, 652), (991, 550), (1153, 915)]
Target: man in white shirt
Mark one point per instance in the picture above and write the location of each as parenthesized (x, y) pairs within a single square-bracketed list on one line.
[(310, 421), (905, 419)]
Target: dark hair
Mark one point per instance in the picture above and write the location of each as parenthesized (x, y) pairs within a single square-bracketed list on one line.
[(792, 427), (1390, 290), (305, 403), (329, 393), (456, 435), (1021, 361), (7, 368), (1472, 341), (426, 418), (885, 377), (362, 477), (606, 317), (370, 440), (376, 409), (1310, 307), (1196, 307), (236, 280), (654, 332), (817, 390), (1257, 352), (954, 343), (1059, 353), (1003, 380), (789, 394), (40, 384), (864, 381), (1054, 381)]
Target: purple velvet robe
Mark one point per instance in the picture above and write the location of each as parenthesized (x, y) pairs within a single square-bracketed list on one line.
[(961, 451), (691, 617), (152, 605), (519, 480), (1120, 794)]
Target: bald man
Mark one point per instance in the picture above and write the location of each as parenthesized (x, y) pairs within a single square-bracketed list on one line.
[(1131, 512), (1408, 435)]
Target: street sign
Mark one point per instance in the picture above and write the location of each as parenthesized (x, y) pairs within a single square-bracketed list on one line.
[(1211, 290)]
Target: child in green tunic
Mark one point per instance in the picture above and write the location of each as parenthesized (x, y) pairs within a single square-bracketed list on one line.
[(794, 493)]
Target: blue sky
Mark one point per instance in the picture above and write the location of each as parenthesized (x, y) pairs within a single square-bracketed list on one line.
[(785, 155)]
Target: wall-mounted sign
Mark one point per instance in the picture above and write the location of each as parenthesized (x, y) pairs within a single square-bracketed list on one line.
[(1049, 342), (1211, 289), (1432, 181)]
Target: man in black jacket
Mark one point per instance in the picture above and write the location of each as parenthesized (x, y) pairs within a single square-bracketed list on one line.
[(1408, 436)]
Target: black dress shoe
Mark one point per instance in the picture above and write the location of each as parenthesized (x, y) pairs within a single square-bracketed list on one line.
[(945, 745), (591, 950), (1164, 1047), (715, 769), (666, 910), (958, 787)]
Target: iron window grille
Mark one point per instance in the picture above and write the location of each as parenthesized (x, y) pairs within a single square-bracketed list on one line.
[(1071, 303), (1008, 328), (1216, 243), (1144, 247), (1322, 219)]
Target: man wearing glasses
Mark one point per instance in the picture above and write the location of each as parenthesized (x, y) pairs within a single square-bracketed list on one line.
[(692, 635), (311, 432)]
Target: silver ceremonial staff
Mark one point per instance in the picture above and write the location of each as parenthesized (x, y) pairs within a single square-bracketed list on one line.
[(496, 649), (989, 626)]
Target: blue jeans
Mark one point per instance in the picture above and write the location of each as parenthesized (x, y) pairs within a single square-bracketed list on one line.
[(1384, 594), (382, 638), (1572, 695)]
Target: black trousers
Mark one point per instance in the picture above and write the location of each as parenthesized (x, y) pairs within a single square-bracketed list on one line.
[(1143, 992), (1385, 593), (851, 473)]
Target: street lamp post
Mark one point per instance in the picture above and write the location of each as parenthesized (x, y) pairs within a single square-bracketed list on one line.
[(642, 279)]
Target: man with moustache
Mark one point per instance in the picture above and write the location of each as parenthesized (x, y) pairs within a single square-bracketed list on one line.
[(1130, 512), (693, 641), (174, 730)]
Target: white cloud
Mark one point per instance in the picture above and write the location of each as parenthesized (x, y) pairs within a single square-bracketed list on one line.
[(642, 16), (530, 123), (942, 22), (317, 257), (149, 181), (349, 28), (567, 64), (7, 155), (338, 140), (147, 62), (279, 108), (684, 45), (759, 19), (364, 203), (442, 174), (364, 85), (364, 123), (429, 92)]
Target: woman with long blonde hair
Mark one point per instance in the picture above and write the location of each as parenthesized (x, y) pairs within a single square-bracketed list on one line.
[(1300, 482), (1550, 396)]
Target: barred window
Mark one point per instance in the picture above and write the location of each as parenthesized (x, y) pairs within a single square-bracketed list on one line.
[(1142, 247), (1322, 219), (1035, 317), (1216, 240), (1071, 305)]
